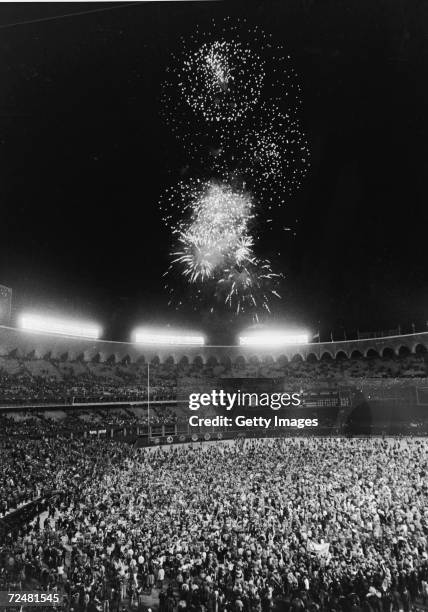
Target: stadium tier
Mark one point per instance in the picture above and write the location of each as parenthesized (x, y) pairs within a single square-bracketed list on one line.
[(109, 500), (21, 343), (48, 383)]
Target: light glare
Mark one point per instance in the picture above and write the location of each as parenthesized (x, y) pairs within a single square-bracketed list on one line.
[(51, 325), (232, 97), (152, 337), (273, 339)]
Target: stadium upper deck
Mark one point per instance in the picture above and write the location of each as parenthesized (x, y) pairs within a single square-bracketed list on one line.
[(385, 377), (21, 343)]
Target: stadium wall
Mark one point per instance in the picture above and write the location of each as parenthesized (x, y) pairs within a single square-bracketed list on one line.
[(21, 343)]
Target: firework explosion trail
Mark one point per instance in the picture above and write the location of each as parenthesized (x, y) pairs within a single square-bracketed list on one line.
[(222, 80), (237, 117), (238, 106), (249, 286), (216, 233), (215, 248)]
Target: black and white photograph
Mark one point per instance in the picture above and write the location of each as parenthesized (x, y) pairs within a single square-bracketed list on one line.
[(214, 306)]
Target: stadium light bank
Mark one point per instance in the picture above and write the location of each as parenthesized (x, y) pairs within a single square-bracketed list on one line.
[(61, 327), (273, 338), (152, 336)]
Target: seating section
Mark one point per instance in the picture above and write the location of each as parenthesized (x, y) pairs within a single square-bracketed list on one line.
[(23, 423), (44, 381)]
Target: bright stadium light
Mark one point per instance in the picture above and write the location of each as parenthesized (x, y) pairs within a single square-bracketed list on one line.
[(62, 327), (273, 338), (151, 336)]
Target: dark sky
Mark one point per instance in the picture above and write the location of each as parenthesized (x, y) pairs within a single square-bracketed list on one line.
[(85, 156)]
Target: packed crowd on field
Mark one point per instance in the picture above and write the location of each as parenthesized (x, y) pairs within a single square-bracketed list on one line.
[(47, 380), (309, 524)]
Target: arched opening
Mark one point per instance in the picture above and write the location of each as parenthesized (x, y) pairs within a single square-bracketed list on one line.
[(312, 358), (372, 354), (141, 360), (111, 360), (388, 353), (47, 356), (212, 361), (282, 361), (169, 361), (297, 358), (198, 362), (403, 351), (240, 362), (31, 354), (254, 360), (126, 360), (341, 356), (64, 356), (356, 355), (326, 356), (268, 360), (226, 362), (80, 358), (420, 349), (95, 359), (184, 362), (155, 361)]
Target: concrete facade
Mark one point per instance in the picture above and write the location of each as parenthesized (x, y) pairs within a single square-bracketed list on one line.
[(24, 344)]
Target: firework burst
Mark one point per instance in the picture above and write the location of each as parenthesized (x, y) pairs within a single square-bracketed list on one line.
[(249, 286), (274, 155), (232, 98), (215, 231), (215, 250), (221, 80), (219, 76)]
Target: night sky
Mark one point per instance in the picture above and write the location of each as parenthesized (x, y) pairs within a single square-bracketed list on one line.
[(85, 157)]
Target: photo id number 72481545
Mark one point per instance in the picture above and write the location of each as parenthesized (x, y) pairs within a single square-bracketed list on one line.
[(29, 598)]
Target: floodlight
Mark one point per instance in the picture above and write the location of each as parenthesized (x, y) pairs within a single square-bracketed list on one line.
[(151, 336), (273, 338), (62, 327)]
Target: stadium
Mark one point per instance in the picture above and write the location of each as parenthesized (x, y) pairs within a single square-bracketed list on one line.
[(141, 390), (202, 206), (111, 499)]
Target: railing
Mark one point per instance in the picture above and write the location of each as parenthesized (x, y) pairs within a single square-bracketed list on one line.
[(380, 430), (70, 402)]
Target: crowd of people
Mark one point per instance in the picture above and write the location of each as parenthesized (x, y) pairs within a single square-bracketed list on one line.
[(24, 388), (252, 526), (77, 421), (44, 381)]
